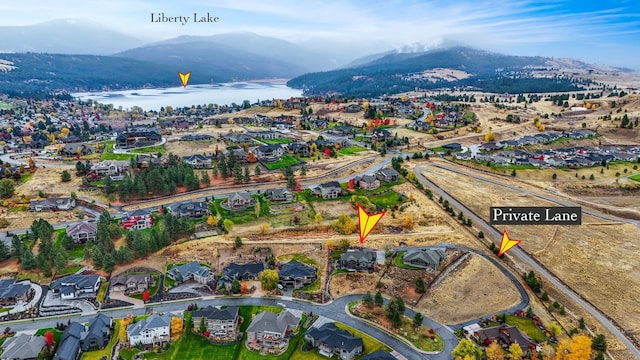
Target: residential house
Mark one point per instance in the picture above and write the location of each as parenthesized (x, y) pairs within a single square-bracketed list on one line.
[(152, 331), (280, 195), (504, 335), (353, 108), (132, 284), (238, 201), (269, 152), (113, 168), (22, 347), (358, 260), (12, 292), (191, 271), (221, 323), (76, 149), (196, 137), (76, 285), (196, 209), (452, 147), (379, 355), (270, 331), (137, 138), (52, 204), (78, 337), (424, 258), (328, 190), (367, 182), (330, 341), (296, 274), (381, 135), (82, 232), (240, 272), (344, 130), (388, 175), (265, 135), (298, 148), (197, 161), (137, 220)]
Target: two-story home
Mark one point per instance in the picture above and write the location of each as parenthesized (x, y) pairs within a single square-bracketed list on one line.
[(280, 195), (424, 258), (196, 209), (271, 152), (240, 272), (78, 337), (76, 285), (128, 139), (149, 332), (238, 201), (367, 182), (191, 271), (113, 168), (271, 331), (387, 175), (137, 220), (76, 149), (296, 274), (328, 190), (358, 260), (52, 204), (132, 284), (12, 292), (197, 161), (381, 135), (331, 341), (221, 323), (83, 232)]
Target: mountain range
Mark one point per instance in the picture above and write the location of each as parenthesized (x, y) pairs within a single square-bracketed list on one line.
[(45, 57)]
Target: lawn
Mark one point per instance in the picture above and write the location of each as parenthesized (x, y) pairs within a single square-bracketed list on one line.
[(277, 141), (96, 355), (150, 149), (300, 257), (25, 177), (370, 343), (350, 150), (102, 293), (527, 326), (107, 153), (285, 160), (295, 341), (398, 262), (127, 354), (635, 177), (192, 346), (4, 106), (243, 216), (77, 254)]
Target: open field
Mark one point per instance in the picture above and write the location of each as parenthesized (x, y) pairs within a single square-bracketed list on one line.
[(24, 219), (461, 295), (588, 260), (183, 148)]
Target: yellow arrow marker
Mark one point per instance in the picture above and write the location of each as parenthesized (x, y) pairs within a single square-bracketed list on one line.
[(506, 243), (184, 78), (367, 222)]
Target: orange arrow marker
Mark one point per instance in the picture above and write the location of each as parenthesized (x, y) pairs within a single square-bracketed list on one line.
[(184, 78), (506, 243), (367, 222)]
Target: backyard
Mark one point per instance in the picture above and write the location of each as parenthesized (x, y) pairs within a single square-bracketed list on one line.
[(97, 355), (285, 160)]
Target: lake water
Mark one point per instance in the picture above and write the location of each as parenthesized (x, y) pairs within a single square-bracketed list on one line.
[(221, 94)]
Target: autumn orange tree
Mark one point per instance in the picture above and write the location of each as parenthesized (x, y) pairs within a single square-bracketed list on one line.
[(494, 352)]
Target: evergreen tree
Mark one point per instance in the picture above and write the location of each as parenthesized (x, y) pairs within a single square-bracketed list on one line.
[(367, 300), (417, 320), (5, 252), (247, 174), (16, 246), (237, 172), (420, 287), (377, 299), (27, 260), (205, 178), (222, 166)]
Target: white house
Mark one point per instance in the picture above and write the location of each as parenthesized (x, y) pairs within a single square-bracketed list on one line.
[(154, 330)]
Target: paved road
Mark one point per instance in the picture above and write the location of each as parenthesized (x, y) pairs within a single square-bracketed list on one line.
[(334, 310), (517, 252)]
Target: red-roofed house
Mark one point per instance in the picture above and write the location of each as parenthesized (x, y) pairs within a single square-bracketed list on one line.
[(138, 220)]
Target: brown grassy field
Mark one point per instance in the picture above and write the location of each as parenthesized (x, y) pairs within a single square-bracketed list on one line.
[(461, 295), (596, 259)]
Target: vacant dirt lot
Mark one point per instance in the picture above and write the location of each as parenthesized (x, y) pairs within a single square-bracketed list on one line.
[(474, 289), (596, 259), (24, 219), (48, 181)]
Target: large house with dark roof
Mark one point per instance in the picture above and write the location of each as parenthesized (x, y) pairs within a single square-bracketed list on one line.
[(279, 195), (197, 161), (113, 168), (379, 355), (240, 272), (504, 335), (330, 341), (77, 337), (328, 190), (269, 152), (191, 271), (76, 285), (12, 292), (129, 139), (83, 232), (195, 209), (220, 322), (132, 284), (238, 201), (358, 260), (296, 274)]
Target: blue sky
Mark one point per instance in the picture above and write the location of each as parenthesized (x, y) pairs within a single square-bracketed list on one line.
[(602, 32)]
